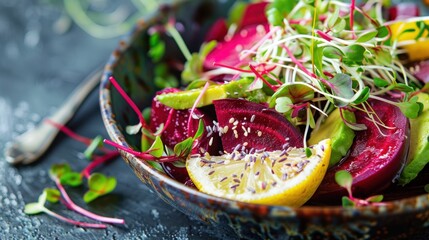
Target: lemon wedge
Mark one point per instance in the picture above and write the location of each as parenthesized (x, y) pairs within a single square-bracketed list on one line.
[(283, 177), (405, 33)]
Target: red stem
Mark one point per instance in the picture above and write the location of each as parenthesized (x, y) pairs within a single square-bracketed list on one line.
[(258, 75), (141, 155), (298, 63), (71, 205), (74, 222), (352, 11), (170, 116), (69, 132), (97, 162), (129, 101)]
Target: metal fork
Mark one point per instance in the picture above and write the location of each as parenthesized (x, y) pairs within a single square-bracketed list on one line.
[(29, 146)]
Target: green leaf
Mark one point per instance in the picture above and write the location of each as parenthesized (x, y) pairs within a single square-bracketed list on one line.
[(380, 82), (347, 202), (366, 37), (332, 20), (184, 147), (90, 196), (157, 148), (339, 26), (355, 53), (236, 12), (200, 129), (411, 109), (295, 92), (52, 195), (157, 47), (376, 198), (318, 59), (95, 143), (341, 85), (382, 32), (311, 117), (73, 179), (57, 170), (33, 208), (364, 95), (403, 88), (344, 179), (133, 129), (99, 185), (274, 17), (156, 165), (384, 57), (283, 104), (332, 52)]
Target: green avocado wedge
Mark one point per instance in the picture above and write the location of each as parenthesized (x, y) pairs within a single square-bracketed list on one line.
[(418, 155), (340, 134), (186, 99)]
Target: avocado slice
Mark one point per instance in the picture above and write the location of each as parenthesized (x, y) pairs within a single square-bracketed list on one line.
[(419, 144), (186, 99), (340, 134)]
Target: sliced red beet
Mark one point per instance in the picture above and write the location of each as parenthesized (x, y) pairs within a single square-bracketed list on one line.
[(254, 125), (228, 51), (177, 131), (217, 31), (374, 159), (254, 14)]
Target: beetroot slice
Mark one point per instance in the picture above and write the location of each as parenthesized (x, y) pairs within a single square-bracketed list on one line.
[(254, 14), (254, 125), (374, 159), (177, 131), (228, 51), (217, 31)]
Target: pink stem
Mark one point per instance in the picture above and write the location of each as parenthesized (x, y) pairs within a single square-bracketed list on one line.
[(141, 155), (69, 132), (298, 63), (230, 67), (259, 43), (324, 35), (258, 75), (167, 123), (203, 91), (97, 162), (74, 222), (352, 10), (76, 208), (129, 101)]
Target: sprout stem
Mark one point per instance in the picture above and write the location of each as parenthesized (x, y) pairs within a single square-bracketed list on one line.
[(73, 222), (72, 206)]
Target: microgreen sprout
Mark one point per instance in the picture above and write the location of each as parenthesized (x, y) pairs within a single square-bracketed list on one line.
[(53, 196), (345, 180)]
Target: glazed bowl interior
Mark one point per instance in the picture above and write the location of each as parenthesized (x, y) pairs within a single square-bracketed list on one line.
[(134, 70)]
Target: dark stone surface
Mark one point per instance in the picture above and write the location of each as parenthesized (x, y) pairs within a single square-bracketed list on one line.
[(39, 68)]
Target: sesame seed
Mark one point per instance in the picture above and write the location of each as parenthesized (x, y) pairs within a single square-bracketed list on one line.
[(235, 123), (236, 180), (259, 133), (211, 172), (225, 129), (252, 118), (223, 179), (284, 176), (231, 120)]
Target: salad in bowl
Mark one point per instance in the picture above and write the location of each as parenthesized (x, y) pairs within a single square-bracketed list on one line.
[(278, 118)]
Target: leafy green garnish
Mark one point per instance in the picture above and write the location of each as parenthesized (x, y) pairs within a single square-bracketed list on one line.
[(99, 185)]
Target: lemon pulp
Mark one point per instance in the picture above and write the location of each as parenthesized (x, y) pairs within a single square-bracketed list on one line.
[(283, 177)]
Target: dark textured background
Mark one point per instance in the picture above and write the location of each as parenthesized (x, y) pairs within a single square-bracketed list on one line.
[(38, 69)]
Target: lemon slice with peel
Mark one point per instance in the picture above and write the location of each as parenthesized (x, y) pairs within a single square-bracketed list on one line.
[(283, 177)]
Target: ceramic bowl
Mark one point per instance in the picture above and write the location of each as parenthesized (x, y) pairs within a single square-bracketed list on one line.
[(134, 71)]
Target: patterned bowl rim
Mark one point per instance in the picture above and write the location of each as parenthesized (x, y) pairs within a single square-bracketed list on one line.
[(416, 203)]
